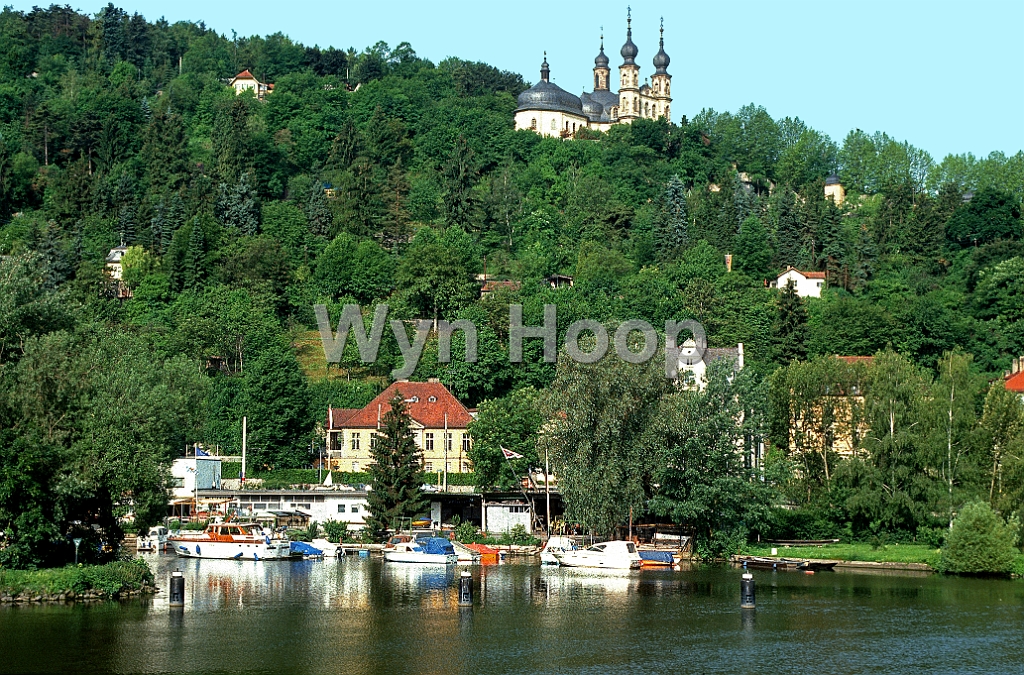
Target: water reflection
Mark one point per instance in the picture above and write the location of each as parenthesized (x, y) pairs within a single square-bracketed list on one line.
[(358, 615)]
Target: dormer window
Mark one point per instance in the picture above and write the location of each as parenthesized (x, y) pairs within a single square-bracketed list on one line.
[(432, 399)]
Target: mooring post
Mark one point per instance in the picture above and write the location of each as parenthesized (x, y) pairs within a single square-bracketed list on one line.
[(465, 590), (177, 593), (747, 591)]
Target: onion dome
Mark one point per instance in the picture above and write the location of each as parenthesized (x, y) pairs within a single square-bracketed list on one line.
[(546, 95), (832, 180), (629, 50), (661, 59), (602, 59)]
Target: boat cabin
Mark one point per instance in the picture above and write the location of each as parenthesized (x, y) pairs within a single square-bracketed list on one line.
[(228, 531)]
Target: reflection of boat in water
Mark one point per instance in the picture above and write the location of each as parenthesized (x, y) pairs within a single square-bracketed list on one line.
[(606, 555), (556, 544), (797, 564), (231, 541), (431, 551)]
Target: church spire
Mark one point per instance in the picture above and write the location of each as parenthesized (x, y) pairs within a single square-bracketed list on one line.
[(661, 59), (544, 70), (629, 50)]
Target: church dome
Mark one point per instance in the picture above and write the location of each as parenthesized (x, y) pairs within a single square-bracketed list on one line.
[(661, 59), (591, 108), (549, 96), (602, 59), (546, 95), (629, 50)]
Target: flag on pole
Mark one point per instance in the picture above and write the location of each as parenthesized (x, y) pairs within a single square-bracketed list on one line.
[(509, 454)]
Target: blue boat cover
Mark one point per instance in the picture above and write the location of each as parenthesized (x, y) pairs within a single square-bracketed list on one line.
[(436, 546), (305, 549), (657, 556)]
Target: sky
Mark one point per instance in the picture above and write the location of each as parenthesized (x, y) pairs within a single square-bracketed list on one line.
[(944, 75)]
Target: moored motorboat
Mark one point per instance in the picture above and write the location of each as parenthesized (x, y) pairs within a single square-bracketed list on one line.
[(556, 544), (154, 540), (231, 541), (605, 555), (432, 551), (655, 558)]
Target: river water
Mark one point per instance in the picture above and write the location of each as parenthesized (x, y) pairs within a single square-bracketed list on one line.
[(361, 615)]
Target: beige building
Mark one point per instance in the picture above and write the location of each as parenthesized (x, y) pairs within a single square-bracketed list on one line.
[(246, 81), (808, 284), (834, 189), (439, 422), (549, 110)]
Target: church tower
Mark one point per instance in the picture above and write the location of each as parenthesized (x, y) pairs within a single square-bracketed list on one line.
[(661, 82), (629, 76), (601, 70)]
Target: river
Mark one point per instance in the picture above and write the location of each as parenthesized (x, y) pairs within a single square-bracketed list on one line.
[(365, 616)]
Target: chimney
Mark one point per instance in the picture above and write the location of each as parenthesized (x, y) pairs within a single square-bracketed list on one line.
[(433, 380), (728, 262), (739, 348)]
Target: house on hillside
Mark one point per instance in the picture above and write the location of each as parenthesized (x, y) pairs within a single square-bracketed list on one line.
[(834, 189), (808, 284), (116, 288), (1014, 379), (440, 424), (245, 81), (836, 420), (692, 369)]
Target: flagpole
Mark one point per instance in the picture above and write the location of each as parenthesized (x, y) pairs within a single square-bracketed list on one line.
[(529, 502)]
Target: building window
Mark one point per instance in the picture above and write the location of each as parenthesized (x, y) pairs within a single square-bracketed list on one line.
[(432, 399), (465, 467), (355, 467), (465, 443), (428, 441), (374, 441), (554, 124), (429, 467), (448, 467), (533, 124), (341, 508), (355, 508), (448, 442), (354, 443)]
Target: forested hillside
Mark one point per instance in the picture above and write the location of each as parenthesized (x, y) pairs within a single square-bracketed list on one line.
[(379, 176)]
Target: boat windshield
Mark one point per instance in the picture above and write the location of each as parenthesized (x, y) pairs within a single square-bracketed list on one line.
[(631, 547), (597, 547)]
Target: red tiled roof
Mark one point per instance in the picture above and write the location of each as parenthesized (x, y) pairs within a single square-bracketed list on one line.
[(245, 75), (807, 275), (431, 414), (490, 286), (341, 416), (857, 359), (1016, 382)]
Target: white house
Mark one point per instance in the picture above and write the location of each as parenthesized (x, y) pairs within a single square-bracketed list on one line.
[(189, 474), (246, 80), (808, 284), (342, 504), (692, 369)]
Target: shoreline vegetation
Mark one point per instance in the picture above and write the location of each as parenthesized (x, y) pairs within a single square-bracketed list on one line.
[(114, 580)]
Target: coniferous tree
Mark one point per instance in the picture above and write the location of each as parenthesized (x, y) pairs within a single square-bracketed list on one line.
[(395, 471), (753, 255), (830, 237), (865, 256), (158, 228), (238, 206), (787, 232), (673, 232), (55, 263), (457, 179), (124, 195), (318, 211), (789, 332), (195, 256)]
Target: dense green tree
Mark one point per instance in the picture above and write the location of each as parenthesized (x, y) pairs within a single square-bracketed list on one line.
[(980, 542), (395, 472), (238, 207), (512, 422), (789, 331), (276, 404), (753, 253)]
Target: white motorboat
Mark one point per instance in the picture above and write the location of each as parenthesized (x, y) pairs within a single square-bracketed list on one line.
[(330, 549), (619, 555), (432, 551), (231, 541), (556, 544), (154, 540)]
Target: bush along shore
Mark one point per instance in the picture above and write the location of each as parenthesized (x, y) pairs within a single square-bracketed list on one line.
[(115, 580)]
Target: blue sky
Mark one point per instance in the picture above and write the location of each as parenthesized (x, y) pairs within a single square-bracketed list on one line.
[(944, 75)]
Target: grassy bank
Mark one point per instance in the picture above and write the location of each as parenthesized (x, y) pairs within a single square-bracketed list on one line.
[(896, 553), (116, 579)]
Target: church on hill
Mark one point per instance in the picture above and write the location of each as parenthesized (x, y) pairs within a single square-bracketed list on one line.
[(549, 110)]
